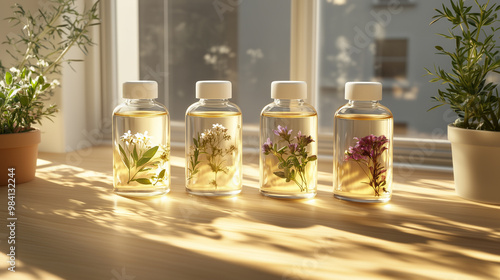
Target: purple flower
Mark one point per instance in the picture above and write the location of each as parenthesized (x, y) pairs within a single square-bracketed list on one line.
[(293, 147), (267, 147), (283, 132), (368, 150), (303, 140)]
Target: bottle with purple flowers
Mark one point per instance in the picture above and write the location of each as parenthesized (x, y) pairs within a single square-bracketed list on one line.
[(362, 154), (288, 140)]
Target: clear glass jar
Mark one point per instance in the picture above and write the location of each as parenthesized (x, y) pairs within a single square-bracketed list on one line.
[(288, 138), (141, 142), (363, 137), (213, 142)]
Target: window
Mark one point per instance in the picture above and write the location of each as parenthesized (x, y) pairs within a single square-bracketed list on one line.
[(391, 58), (250, 44), (392, 44), (245, 42)]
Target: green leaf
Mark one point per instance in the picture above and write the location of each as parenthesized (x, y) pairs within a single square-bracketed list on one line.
[(280, 174), (134, 154), (162, 174), (143, 181), (312, 158), (24, 100), (294, 161), (147, 156), (8, 78), (124, 156)]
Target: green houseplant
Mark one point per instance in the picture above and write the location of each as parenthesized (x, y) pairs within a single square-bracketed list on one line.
[(473, 95), (36, 52)]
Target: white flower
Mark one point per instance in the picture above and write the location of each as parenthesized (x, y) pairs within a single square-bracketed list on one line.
[(138, 138), (55, 83), (126, 137), (203, 135), (26, 27), (32, 69), (146, 137), (218, 126), (42, 63), (14, 70), (2, 84)]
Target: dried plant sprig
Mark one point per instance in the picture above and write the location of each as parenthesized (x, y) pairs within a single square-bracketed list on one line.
[(293, 156), (140, 158), (211, 143), (368, 153)]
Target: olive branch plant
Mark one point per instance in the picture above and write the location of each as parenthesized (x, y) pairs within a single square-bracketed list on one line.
[(476, 55), (38, 50)]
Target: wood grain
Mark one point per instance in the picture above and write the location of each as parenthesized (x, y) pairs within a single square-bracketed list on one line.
[(71, 226)]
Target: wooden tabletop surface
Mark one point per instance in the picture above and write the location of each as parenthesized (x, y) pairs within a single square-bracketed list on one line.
[(71, 226)]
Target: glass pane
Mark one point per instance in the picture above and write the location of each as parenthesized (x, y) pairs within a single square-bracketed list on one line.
[(246, 42), (391, 47), (386, 41)]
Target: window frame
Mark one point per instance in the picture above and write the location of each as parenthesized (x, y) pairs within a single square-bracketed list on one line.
[(416, 153)]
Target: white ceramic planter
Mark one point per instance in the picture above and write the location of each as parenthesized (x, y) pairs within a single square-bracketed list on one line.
[(476, 163)]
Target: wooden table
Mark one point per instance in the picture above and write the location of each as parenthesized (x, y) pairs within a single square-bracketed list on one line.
[(71, 226)]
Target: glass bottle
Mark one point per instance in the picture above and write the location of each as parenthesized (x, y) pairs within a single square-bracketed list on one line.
[(213, 142), (362, 154), (141, 142), (288, 138)]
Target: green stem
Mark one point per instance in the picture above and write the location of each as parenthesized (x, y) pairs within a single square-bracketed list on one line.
[(44, 31)]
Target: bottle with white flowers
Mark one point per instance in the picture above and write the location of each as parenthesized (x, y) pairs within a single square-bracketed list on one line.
[(213, 142), (141, 142)]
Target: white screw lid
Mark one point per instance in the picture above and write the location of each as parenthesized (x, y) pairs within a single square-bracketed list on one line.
[(213, 89), (363, 91), (288, 90), (140, 90)]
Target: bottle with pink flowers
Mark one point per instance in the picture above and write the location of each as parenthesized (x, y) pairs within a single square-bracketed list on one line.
[(288, 140), (362, 154)]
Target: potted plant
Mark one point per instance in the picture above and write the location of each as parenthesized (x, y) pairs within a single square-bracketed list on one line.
[(37, 52), (471, 93)]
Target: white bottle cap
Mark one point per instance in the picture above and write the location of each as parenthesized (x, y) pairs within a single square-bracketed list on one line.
[(363, 91), (140, 90), (288, 90), (213, 89)]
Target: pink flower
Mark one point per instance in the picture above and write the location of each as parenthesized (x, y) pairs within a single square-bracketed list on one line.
[(368, 150)]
